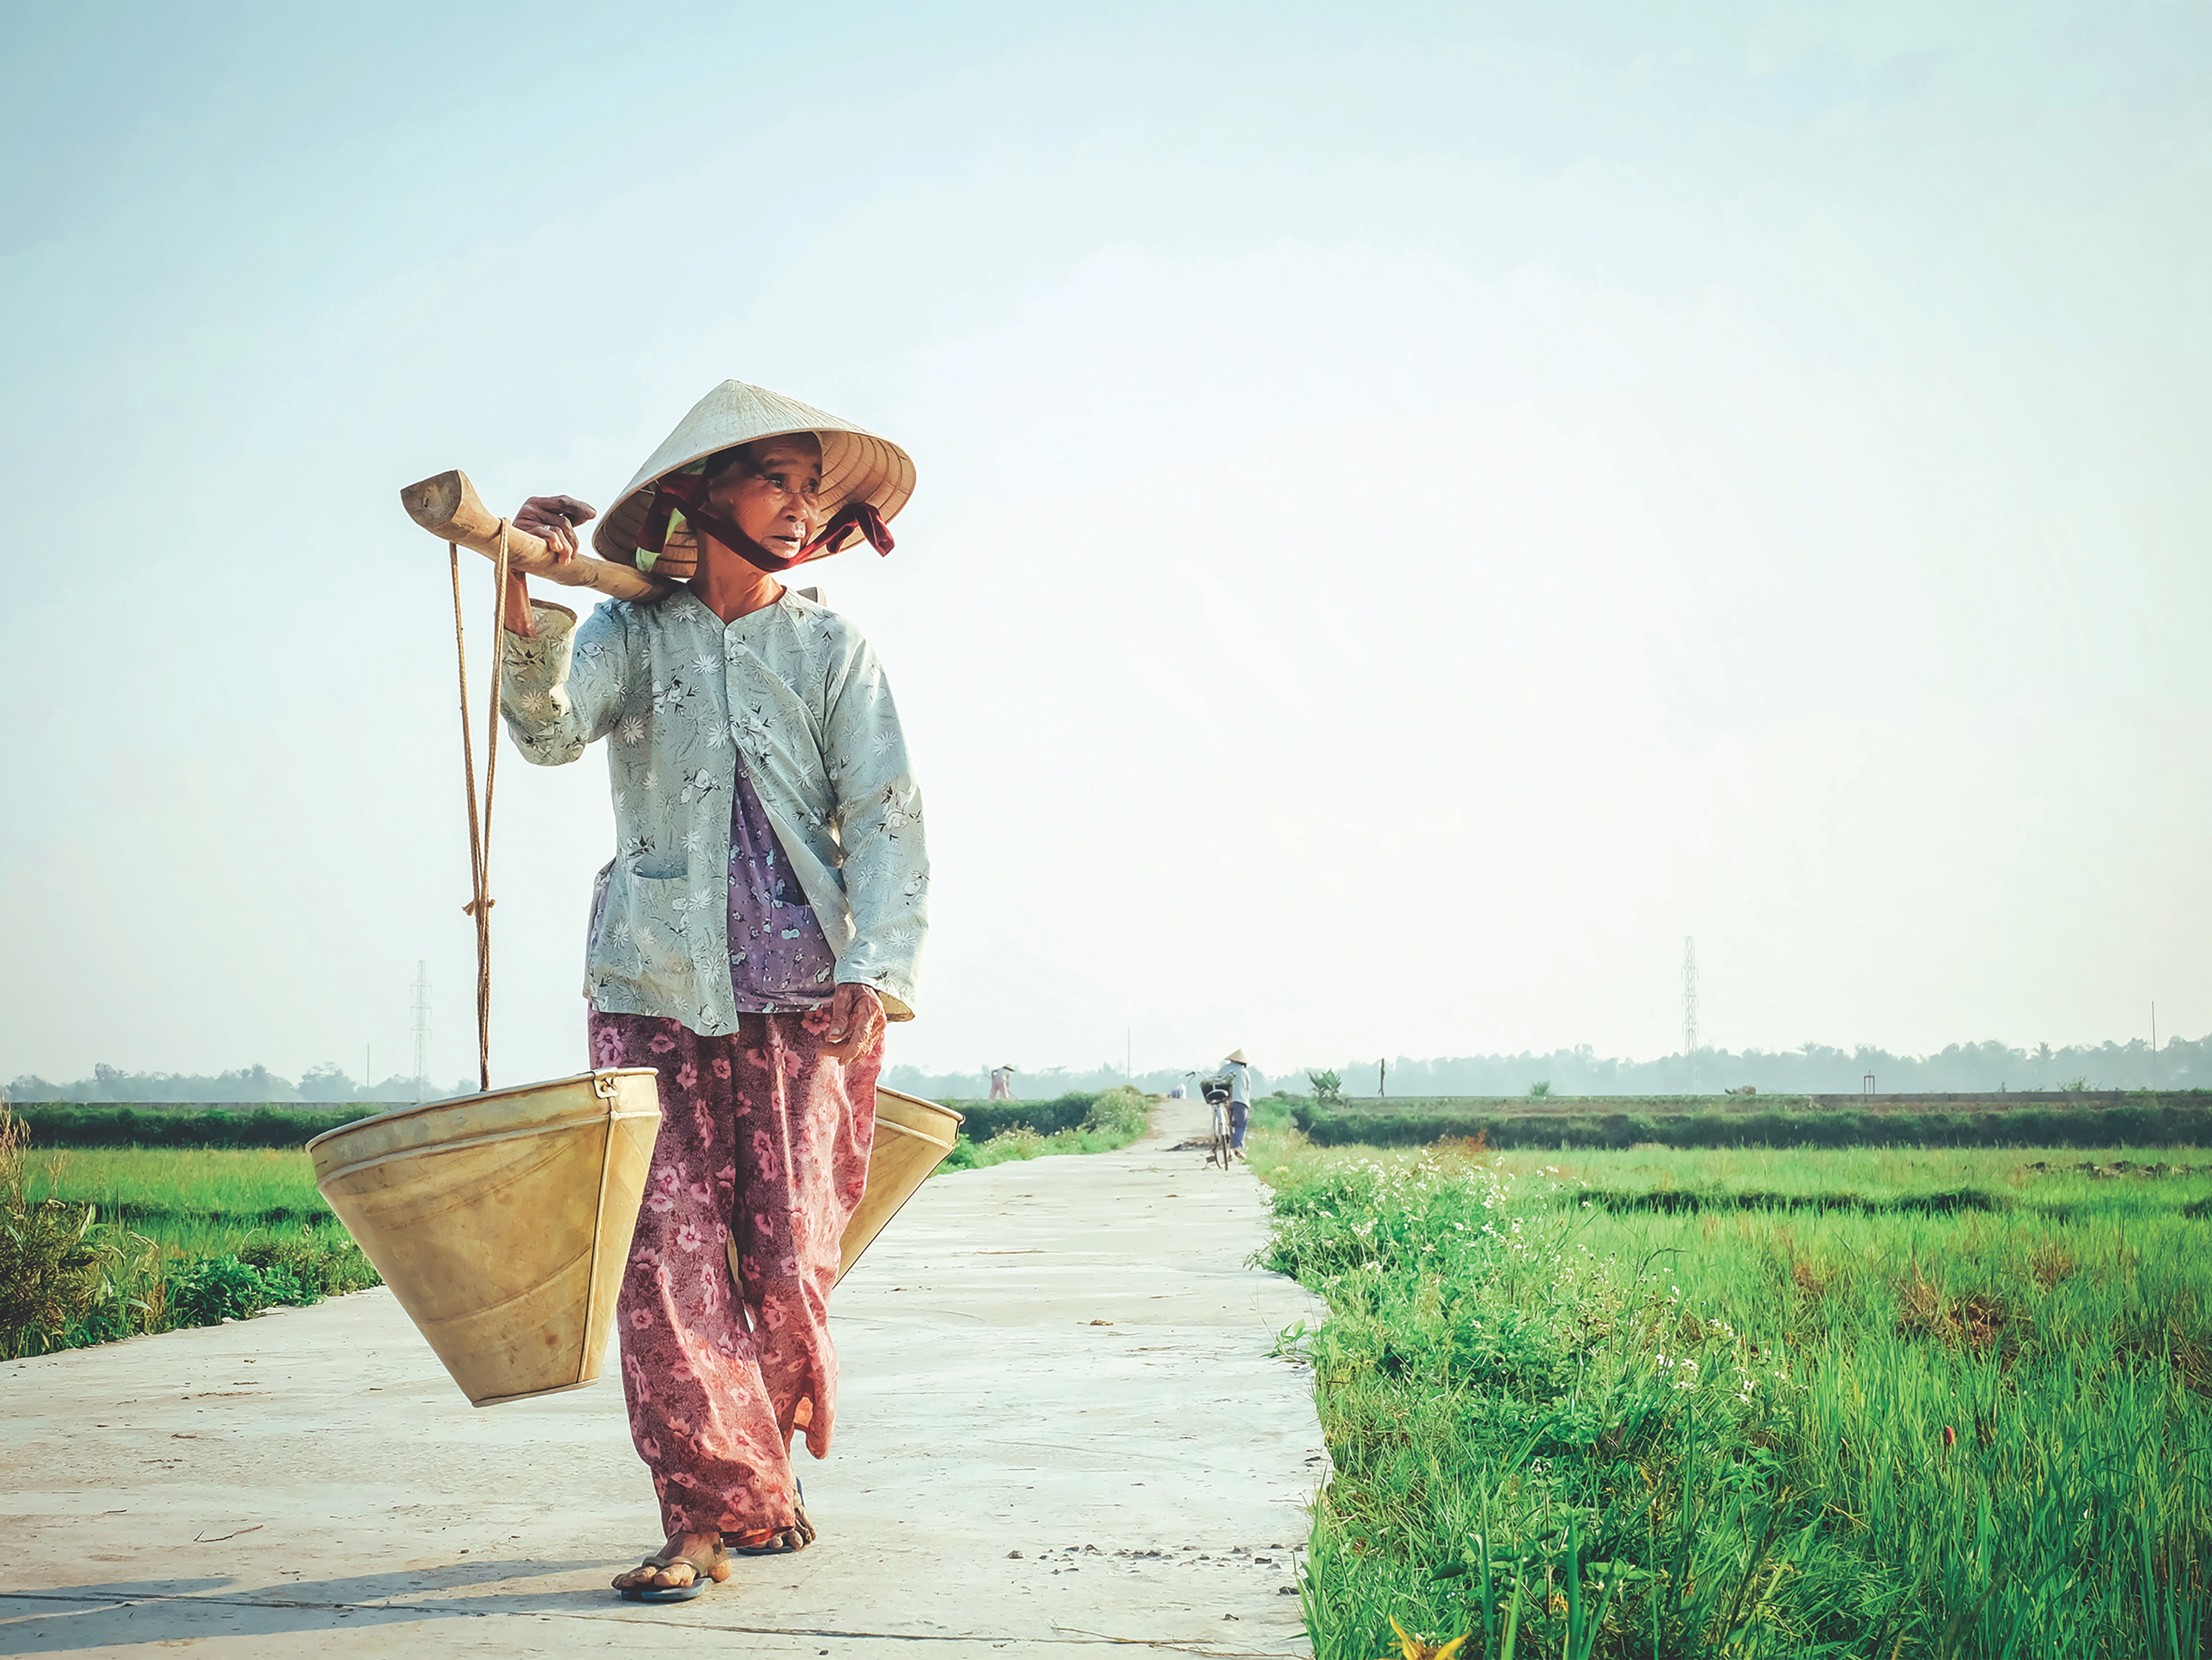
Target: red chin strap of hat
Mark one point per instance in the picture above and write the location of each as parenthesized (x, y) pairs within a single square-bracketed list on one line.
[(688, 491)]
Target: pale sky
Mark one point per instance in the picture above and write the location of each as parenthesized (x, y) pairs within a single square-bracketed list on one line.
[(1420, 508)]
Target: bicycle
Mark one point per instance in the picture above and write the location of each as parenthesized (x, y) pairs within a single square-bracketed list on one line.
[(1215, 1090)]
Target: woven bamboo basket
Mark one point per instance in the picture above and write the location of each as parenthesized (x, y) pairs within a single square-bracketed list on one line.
[(912, 1138), (503, 1221)]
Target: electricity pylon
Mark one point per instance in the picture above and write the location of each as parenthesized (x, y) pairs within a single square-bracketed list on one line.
[(421, 1028), (1690, 1006)]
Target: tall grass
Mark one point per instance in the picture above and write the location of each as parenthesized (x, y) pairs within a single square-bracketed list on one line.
[(1563, 1430), (61, 1273)]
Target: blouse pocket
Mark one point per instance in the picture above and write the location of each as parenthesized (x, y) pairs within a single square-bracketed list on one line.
[(639, 949), (660, 918)]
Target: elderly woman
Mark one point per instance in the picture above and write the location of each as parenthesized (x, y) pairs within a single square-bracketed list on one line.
[(761, 920)]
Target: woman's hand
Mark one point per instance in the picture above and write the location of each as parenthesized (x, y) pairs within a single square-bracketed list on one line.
[(856, 1022), (553, 520)]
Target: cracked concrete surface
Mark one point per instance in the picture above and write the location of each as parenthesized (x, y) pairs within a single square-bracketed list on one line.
[(1059, 1429)]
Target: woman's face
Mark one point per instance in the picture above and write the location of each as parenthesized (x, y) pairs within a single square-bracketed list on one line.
[(775, 501)]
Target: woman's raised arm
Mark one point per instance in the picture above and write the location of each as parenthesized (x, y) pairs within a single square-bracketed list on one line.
[(564, 686)]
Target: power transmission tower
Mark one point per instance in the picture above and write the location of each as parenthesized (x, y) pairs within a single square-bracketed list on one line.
[(421, 1028), (1690, 1006)]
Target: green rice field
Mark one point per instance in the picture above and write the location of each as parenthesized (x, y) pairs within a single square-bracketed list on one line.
[(193, 1202), (154, 1184), (2110, 1180), (104, 1242), (1804, 1403)]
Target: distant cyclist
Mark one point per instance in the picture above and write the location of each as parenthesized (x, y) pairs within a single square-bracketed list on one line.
[(1237, 1068)]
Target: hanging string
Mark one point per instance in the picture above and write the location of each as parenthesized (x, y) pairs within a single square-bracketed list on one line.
[(479, 906)]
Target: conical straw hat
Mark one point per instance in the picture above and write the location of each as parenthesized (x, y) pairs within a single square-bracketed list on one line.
[(1239, 1056), (856, 464)]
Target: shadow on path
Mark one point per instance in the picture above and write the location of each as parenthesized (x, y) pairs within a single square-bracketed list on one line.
[(123, 1613)]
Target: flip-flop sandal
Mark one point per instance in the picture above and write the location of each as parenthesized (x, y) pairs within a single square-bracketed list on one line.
[(798, 1536), (702, 1575), (782, 1543)]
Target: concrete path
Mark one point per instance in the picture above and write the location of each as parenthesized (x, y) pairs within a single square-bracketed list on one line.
[(1060, 1430)]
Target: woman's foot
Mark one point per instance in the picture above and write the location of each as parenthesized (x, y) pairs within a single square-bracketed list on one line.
[(684, 1564), (774, 1541)]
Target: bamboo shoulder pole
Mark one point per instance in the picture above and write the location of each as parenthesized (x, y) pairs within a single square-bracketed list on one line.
[(448, 508)]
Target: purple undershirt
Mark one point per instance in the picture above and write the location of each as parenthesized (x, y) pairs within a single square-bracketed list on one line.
[(780, 963)]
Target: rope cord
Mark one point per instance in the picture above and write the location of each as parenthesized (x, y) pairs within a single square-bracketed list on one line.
[(479, 906)]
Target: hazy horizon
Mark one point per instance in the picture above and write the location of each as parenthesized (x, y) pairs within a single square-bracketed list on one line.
[(2178, 1064), (1418, 512)]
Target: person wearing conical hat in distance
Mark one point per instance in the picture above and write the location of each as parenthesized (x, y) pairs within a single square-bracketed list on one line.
[(1002, 1083), (762, 919), (1237, 1069)]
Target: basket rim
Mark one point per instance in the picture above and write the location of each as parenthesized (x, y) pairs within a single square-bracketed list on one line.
[(900, 1095), (409, 1112)]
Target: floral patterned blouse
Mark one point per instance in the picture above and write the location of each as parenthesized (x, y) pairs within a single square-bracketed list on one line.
[(780, 963), (795, 689)]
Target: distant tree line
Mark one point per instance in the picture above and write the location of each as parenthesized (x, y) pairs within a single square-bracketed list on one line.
[(1813, 1069), (257, 1083)]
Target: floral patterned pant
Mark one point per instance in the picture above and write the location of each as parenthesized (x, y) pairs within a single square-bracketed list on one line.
[(765, 1139)]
